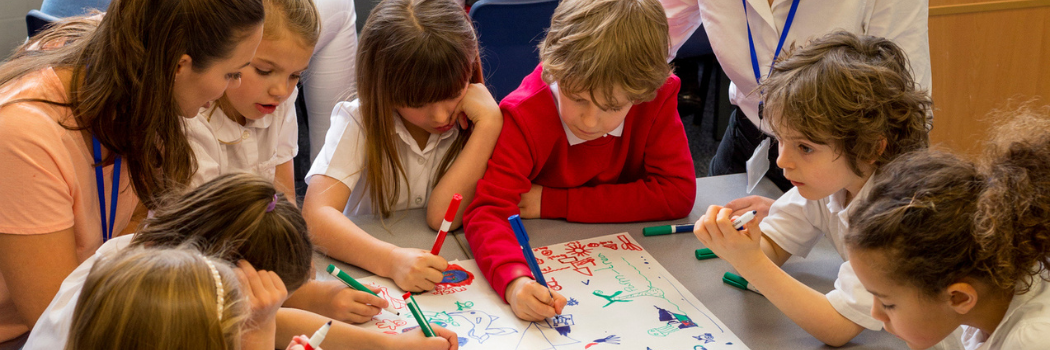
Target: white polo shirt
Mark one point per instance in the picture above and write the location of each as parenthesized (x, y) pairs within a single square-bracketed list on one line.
[(343, 158), (902, 21), (222, 146), (1025, 326)]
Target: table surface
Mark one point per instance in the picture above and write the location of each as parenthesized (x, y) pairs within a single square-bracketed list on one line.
[(750, 316)]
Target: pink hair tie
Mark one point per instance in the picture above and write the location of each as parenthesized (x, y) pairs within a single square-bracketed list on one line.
[(273, 204)]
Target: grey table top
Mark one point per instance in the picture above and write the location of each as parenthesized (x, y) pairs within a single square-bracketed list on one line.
[(750, 316)]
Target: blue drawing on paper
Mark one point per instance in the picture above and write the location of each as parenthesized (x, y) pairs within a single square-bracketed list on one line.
[(572, 302), (561, 323), (706, 337), (481, 324), (612, 339), (674, 322), (551, 339)]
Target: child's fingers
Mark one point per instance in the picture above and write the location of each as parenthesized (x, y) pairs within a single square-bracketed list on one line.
[(711, 225), (365, 298), (448, 335), (559, 303), (700, 231), (725, 224), (246, 286)]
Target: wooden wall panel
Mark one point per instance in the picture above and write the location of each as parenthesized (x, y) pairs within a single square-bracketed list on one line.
[(982, 58)]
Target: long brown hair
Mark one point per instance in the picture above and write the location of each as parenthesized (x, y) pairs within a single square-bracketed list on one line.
[(158, 299), (123, 77), (939, 218), (410, 53), (227, 217), (852, 93)]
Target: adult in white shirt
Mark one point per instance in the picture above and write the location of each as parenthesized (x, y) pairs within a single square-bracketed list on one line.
[(331, 77), (902, 21)]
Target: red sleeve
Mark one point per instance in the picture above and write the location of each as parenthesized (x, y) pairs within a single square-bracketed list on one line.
[(497, 196), (666, 190)]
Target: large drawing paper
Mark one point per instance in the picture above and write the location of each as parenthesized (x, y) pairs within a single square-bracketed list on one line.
[(619, 298)]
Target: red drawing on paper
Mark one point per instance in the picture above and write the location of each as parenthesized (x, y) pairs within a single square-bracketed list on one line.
[(395, 303), (577, 249), (391, 324), (553, 284), (545, 251), (549, 269), (443, 289), (456, 276), (627, 244)]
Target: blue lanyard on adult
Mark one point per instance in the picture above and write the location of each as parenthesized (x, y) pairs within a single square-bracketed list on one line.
[(107, 231), (780, 45)]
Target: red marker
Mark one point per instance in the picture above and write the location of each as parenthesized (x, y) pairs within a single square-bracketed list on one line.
[(450, 215), (318, 337)]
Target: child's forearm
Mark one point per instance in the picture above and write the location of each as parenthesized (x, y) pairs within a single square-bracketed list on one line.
[(773, 251), (463, 175), (261, 337), (311, 295), (284, 182), (335, 235), (342, 336), (803, 305)]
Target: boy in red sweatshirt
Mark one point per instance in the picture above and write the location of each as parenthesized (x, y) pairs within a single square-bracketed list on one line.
[(592, 135)]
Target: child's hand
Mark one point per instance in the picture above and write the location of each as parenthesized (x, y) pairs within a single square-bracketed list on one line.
[(715, 230), (530, 301), (416, 270), (757, 203), (415, 339), (478, 107), (299, 343), (265, 292), (530, 202), (354, 306)]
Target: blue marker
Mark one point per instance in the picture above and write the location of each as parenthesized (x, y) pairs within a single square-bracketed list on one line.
[(526, 249)]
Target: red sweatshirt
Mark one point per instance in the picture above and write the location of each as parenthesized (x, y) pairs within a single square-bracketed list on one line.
[(644, 175)]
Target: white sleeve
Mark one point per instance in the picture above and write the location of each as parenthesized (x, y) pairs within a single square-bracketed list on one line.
[(851, 300), (906, 23), (330, 78), (288, 135), (792, 222), (683, 18), (206, 149), (342, 156)]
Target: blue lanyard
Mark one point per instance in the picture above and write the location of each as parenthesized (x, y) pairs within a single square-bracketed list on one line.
[(107, 232), (780, 45)]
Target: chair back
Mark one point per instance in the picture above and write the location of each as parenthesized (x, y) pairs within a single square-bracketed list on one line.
[(36, 21), (509, 33)]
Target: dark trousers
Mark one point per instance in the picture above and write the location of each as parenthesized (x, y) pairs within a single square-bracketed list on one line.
[(737, 146)]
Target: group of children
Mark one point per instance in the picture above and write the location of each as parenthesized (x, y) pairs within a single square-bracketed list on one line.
[(931, 242)]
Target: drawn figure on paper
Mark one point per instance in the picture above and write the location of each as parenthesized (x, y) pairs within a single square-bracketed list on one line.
[(610, 298), (561, 323), (395, 303), (674, 322), (390, 324), (481, 324), (577, 249), (456, 276), (612, 339), (548, 337), (553, 284), (463, 306), (442, 319), (572, 302), (706, 338), (627, 244)]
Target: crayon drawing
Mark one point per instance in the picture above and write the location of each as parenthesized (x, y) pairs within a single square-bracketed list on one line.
[(619, 297)]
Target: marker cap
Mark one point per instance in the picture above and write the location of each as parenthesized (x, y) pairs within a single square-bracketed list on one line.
[(704, 254), (656, 230)]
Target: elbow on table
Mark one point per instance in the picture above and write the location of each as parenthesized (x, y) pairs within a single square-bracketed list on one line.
[(838, 336)]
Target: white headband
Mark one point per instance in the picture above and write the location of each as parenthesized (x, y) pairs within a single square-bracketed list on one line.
[(220, 293)]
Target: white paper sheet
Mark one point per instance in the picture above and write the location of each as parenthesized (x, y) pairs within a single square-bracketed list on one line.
[(619, 298)]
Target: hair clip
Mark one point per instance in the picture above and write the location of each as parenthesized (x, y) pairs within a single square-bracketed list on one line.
[(273, 204), (220, 292)]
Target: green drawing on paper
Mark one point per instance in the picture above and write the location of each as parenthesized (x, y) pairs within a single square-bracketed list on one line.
[(464, 305), (610, 298)]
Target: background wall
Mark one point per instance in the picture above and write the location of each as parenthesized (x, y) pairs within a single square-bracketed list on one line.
[(13, 23), (984, 53)]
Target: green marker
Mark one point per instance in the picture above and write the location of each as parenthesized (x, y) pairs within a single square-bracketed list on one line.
[(739, 282), (418, 314), (666, 230), (350, 281), (704, 254)]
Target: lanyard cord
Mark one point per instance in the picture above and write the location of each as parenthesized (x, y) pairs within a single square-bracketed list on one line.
[(780, 45), (107, 232)]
